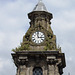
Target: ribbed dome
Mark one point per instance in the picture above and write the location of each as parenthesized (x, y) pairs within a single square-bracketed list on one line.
[(40, 6)]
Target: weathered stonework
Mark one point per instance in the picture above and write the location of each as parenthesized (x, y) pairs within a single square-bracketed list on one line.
[(45, 57), (51, 62), (40, 21)]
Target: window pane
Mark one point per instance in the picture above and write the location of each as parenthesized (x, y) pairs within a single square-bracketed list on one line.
[(37, 71)]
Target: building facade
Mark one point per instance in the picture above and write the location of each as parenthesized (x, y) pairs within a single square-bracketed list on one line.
[(38, 53)]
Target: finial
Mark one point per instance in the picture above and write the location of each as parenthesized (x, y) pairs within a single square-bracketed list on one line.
[(40, 6), (39, 0)]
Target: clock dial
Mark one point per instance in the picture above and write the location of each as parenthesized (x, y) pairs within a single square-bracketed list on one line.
[(38, 37)]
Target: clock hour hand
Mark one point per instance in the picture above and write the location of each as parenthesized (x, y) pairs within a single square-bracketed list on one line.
[(41, 36)]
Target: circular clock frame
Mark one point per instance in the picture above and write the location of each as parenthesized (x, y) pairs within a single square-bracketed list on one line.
[(38, 37)]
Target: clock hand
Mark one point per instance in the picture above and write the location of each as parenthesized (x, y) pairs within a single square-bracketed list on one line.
[(38, 34), (41, 36)]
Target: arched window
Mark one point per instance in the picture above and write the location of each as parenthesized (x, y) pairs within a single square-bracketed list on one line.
[(37, 71)]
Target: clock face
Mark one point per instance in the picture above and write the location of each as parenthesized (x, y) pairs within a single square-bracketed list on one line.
[(38, 37)]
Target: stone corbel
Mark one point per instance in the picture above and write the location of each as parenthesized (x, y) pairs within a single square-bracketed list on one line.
[(52, 60), (22, 60)]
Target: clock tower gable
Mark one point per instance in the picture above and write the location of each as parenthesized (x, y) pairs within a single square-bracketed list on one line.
[(49, 42)]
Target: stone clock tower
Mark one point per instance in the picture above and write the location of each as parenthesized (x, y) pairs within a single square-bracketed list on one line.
[(38, 53)]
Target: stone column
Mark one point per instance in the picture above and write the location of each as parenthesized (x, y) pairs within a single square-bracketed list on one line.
[(51, 69), (22, 70), (31, 70), (44, 70), (56, 72), (27, 72)]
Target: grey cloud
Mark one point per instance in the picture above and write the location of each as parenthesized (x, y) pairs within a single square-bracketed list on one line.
[(14, 24)]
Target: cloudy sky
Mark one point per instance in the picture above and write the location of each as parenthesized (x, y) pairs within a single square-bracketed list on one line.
[(14, 23)]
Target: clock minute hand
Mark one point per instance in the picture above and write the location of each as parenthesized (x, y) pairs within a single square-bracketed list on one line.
[(41, 36), (38, 34)]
